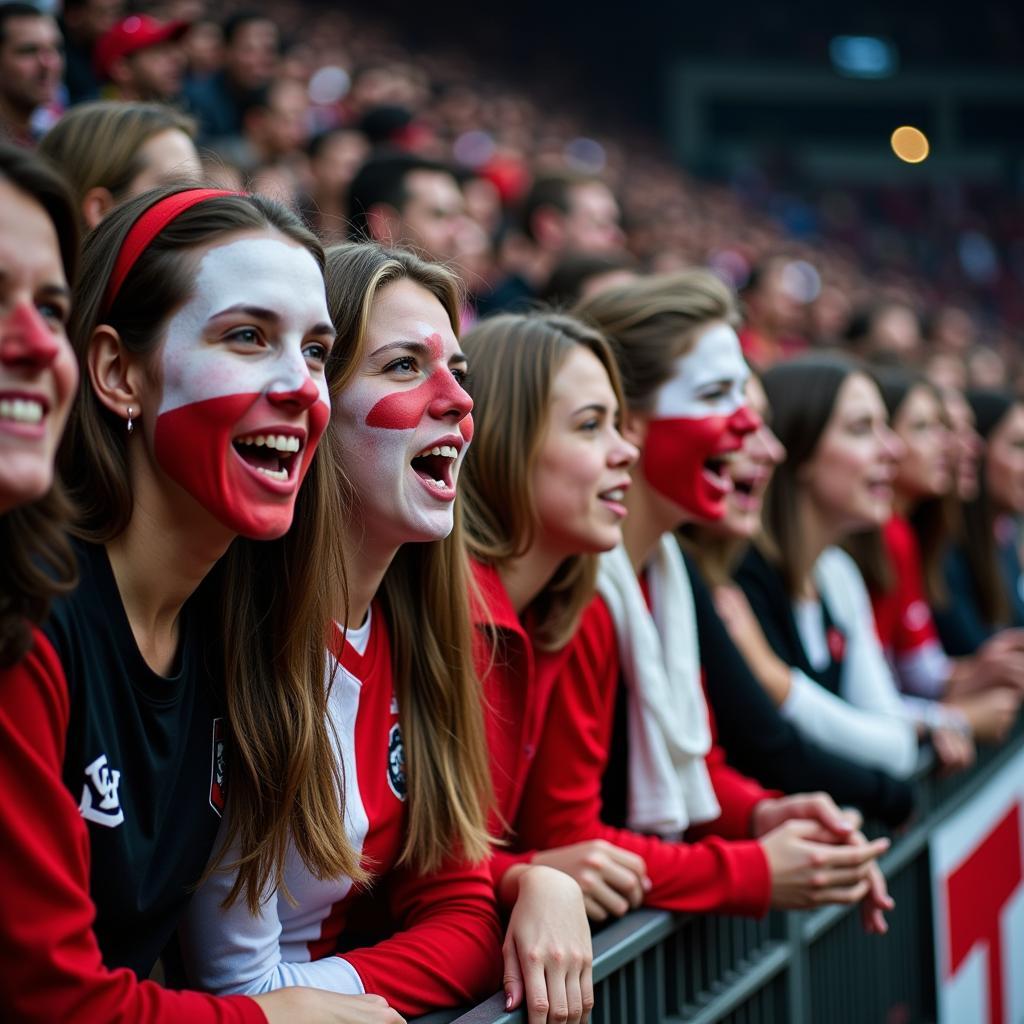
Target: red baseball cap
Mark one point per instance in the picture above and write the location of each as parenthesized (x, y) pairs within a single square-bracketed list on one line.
[(131, 34)]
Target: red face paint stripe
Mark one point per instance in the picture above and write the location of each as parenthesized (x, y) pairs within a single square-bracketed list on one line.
[(303, 397), (404, 410), (26, 339), (193, 446)]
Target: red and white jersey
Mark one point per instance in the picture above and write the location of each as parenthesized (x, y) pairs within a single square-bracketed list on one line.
[(443, 948)]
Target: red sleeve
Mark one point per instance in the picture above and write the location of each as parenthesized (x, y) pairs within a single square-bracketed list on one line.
[(911, 623), (502, 859), (446, 950), (562, 801), (50, 965)]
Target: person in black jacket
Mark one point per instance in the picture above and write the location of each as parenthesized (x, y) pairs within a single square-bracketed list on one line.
[(761, 741)]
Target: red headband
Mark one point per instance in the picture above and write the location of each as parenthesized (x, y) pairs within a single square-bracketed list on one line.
[(150, 223)]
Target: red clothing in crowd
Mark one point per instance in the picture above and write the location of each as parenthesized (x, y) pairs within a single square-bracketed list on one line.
[(903, 617), (424, 941), (517, 682), (52, 966), (723, 870)]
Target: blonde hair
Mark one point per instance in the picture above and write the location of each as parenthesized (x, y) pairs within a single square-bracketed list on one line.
[(513, 360), (439, 695), (96, 145), (652, 321)]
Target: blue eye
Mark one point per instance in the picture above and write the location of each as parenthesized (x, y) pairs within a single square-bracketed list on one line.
[(246, 335), (406, 364), (53, 312)]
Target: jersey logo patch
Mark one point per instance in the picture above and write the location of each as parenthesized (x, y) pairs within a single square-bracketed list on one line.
[(218, 768), (396, 762), (100, 803)]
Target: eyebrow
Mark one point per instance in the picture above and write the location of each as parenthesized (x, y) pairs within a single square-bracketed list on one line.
[(418, 348), (591, 407), (48, 288), (259, 313), (56, 289)]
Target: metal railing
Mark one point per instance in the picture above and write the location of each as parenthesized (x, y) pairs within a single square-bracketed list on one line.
[(656, 967)]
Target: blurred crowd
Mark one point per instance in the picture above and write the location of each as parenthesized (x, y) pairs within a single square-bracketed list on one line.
[(329, 113)]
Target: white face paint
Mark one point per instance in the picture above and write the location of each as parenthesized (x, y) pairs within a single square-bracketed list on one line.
[(252, 273), (700, 416), (405, 400), (709, 380), (245, 398)]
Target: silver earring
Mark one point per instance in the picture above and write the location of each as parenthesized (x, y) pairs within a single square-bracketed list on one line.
[(131, 426)]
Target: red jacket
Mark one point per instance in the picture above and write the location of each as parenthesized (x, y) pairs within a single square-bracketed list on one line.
[(52, 968), (517, 682), (723, 871)]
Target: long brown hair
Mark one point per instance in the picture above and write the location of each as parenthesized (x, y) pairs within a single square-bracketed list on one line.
[(34, 551), (932, 518), (802, 394), (277, 596), (514, 359), (439, 695), (979, 533)]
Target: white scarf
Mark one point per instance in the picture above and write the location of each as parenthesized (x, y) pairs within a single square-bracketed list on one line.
[(669, 736)]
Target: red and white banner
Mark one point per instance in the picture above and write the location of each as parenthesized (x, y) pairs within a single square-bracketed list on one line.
[(977, 862)]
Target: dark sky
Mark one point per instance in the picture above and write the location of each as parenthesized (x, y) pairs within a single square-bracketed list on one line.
[(614, 55)]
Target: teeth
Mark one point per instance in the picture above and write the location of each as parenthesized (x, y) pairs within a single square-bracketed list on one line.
[(447, 450), (274, 474), (440, 484), (21, 410), (279, 442), (615, 495)]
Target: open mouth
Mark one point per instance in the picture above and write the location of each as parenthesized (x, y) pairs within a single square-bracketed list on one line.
[(716, 470), (273, 455), (434, 466)]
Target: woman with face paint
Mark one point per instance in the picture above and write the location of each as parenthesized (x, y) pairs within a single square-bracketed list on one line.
[(627, 752), (544, 487), (902, 566), (742, 671), (404, 703), (805, 592), (38, 257), (202, 330)]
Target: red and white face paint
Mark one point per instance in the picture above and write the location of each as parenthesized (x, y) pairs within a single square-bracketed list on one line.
[(700, 416), (404, 422), (244, 394)]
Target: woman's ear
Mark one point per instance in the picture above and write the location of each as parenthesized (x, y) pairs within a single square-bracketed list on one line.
[(96, 204), (633, 428), (115, 374)]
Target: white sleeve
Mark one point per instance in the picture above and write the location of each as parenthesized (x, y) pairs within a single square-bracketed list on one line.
[(863, 736), (866, 680), (230, 951)]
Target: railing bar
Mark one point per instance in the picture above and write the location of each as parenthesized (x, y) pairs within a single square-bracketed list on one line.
[(759, 973), (626, 939), (714, 965)]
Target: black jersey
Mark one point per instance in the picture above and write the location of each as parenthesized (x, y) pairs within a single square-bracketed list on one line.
[(144, 760)]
